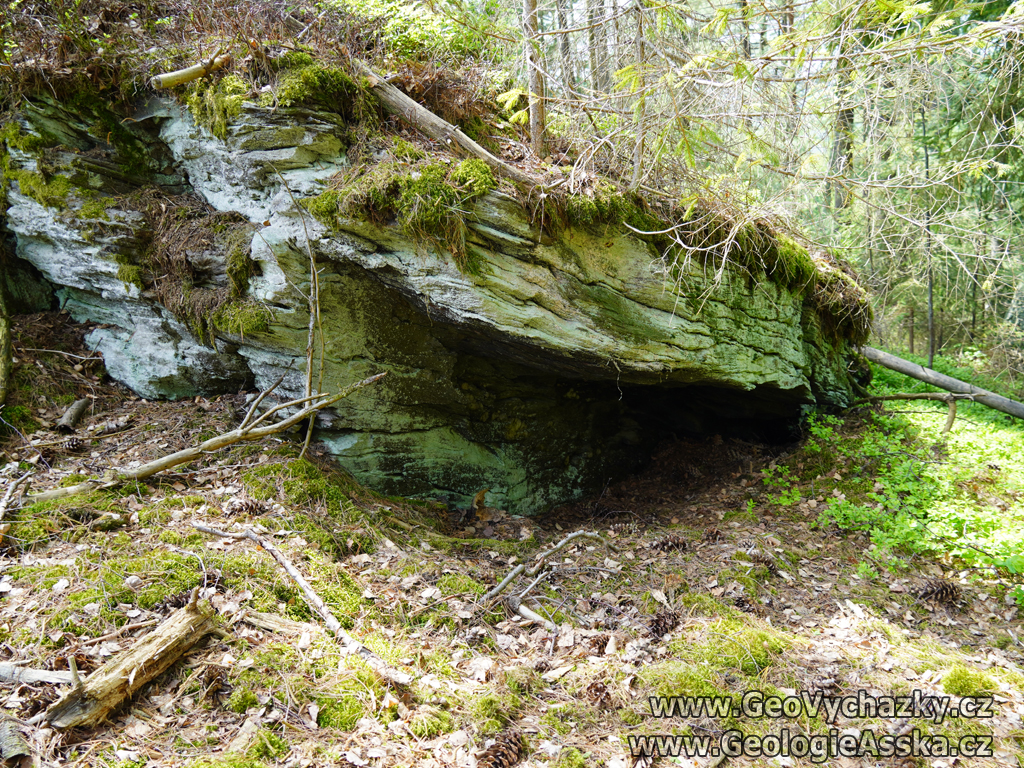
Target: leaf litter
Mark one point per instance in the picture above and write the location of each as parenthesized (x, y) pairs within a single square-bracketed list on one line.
[(698, 585)]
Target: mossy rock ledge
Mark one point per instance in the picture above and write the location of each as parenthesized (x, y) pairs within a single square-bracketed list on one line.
[(540, 366)]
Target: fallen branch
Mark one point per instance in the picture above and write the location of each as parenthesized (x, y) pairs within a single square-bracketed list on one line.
[(72, 415), (422, 119), (108, 687), (187, 75), (516, 605), (949, 398), (12, 673), (350, 644), (250, 429), (277, 624), (539, 561), (936, 379), (5, 502)]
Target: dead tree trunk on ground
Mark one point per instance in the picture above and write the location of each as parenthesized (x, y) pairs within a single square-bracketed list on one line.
[(936, 379), (108, 687)]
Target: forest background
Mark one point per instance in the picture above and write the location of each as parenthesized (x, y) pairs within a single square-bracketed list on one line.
[(889, 131)]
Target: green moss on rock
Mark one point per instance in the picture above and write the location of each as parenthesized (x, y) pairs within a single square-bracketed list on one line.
[(404, 150), (214, 105), (243, 318), (131, 274), (51, 191), (429, 201)]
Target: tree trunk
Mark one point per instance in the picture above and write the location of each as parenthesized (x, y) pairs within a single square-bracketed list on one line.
[(911, 329), (535, 77), (842, 139), (640, 111), (422, 119), (564, 48), (598, 50), (942, 381)]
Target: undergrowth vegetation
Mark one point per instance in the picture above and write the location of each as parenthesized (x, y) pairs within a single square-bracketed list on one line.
[(893, 475)]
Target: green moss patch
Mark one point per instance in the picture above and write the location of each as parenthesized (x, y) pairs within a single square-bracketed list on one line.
[(429, 202), (215, 104), (961, 681), (243, 318)]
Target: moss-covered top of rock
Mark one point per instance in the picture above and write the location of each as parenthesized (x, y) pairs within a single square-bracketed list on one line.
[(109, 51)]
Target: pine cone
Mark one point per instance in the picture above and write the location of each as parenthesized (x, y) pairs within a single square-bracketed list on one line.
[(766, 560), (669, 543), (173, 602), (664, 622), (597, 693), (941, 591), (73, 444), (712, 535), (250, 507), (624, 529), (744, 604), (504, 752)]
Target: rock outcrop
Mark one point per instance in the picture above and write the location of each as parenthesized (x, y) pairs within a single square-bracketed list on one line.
[(549, 366)]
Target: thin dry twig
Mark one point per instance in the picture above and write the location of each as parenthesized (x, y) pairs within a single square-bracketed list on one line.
[(539, 561), (350, 644)]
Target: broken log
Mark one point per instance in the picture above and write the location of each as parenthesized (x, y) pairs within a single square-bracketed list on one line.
[(72, 416), (89, 703), (936, 379), (422, 119)]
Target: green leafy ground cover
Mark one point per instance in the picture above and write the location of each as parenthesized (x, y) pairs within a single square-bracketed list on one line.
[(790, 570)]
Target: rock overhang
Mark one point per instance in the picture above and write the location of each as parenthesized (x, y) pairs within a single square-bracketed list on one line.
[(554, 366)]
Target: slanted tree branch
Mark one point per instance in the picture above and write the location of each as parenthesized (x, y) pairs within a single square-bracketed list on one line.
[(422, 119), (534, 569), (936, 379), (250, 429), (949, 398), (350, 644)]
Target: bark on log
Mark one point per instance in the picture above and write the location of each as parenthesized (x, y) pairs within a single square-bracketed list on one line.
[(422, 119), (936, 379), (12, 743), (72, 416), (107, 688)]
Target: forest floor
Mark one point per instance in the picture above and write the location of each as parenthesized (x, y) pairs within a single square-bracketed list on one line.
[(713, 579)]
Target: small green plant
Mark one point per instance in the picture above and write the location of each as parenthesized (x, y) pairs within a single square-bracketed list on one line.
[(780, 478), (268, 746), (866, 571)]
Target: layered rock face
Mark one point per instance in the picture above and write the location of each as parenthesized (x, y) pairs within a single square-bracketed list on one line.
[(552, 368)]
